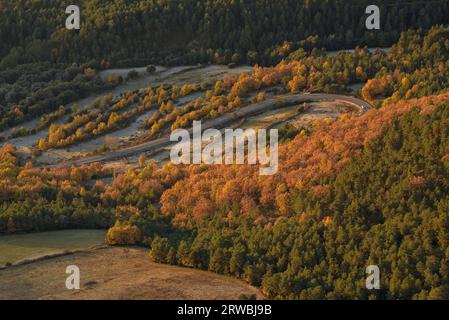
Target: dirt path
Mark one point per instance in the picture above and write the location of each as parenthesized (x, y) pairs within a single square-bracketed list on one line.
[(117, 273)]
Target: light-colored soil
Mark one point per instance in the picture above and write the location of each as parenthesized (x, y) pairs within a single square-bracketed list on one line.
[(117, 273)]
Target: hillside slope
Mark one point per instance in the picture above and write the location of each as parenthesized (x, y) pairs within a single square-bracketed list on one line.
[(188, 31), (372, 190)]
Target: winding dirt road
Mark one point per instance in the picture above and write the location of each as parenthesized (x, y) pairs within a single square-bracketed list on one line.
[(220, 122)]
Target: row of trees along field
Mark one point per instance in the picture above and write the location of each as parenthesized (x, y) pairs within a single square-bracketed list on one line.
[(108, 114), (192, 31)]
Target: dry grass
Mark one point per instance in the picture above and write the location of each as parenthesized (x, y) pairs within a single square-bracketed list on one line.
[(117, 273), (17, 247)]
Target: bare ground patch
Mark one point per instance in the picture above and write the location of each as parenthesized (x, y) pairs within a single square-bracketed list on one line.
[(117, 273)]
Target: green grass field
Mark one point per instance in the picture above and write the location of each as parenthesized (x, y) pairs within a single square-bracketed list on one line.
[(16, 247)]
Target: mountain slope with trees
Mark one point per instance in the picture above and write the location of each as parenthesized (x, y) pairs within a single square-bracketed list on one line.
[(191, 31)]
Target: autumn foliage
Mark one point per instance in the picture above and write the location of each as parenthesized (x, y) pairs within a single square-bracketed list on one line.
[(207, 191)]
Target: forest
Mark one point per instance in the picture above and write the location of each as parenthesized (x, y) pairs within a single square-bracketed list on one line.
[(350, 192), (129, 32)]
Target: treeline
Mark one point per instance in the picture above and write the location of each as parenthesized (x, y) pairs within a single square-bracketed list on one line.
[(192, 31)]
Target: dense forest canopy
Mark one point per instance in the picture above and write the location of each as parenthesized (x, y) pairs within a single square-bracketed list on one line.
[(188, 31), (385, 202), (350, 192), (31, 90), (413, 67)]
